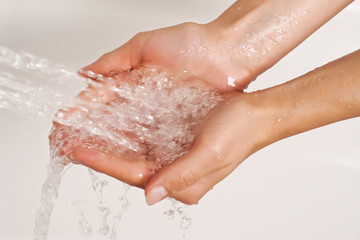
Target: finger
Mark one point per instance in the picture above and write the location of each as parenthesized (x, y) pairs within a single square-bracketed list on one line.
[(131, 168), (183, 173), (119, 60), (98, 92), (195, 192)]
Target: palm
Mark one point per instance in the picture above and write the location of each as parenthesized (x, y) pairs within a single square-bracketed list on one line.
[(188, 51)]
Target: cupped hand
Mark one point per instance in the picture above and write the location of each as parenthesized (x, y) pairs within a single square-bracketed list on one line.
[(230, 133), (187, 50), (71, 140)]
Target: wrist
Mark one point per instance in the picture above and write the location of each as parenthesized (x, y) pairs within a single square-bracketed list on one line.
[(326, 95), (275, 113), (252, 33), (257, 34), (263, 113)]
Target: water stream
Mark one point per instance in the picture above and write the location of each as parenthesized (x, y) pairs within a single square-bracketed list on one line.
[(145, 111)]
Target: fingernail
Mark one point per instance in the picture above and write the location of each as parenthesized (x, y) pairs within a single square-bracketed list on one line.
[(155, 195)]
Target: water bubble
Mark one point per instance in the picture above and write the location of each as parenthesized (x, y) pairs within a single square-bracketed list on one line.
[(169, 214), (85, 228), (185, 223), (231, 81), (104, 230), (104, 211), (181, 210)]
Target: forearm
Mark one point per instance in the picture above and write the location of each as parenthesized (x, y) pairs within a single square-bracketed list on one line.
[(326, 95), (266, 30)]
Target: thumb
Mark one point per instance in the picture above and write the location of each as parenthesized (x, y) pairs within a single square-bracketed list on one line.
[(183, 173), (119, 60)]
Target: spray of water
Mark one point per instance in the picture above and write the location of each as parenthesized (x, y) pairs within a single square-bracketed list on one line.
[(35, 86), (144, 111)]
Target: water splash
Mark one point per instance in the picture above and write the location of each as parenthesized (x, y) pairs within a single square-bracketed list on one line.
[(84, 225), (35, 86), (143, 111), (109, 217), (98, 185), (49, 194), (125, 204), (180, 210)]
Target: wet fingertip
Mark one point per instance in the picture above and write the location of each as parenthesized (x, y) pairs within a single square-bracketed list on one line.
[(84, 70), (87, 73), (86, 156)]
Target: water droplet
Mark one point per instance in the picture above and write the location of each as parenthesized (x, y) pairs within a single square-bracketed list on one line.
[(185, 223), (85, 228), (231, 81), (104, 230), (180, 210), (169, 214)]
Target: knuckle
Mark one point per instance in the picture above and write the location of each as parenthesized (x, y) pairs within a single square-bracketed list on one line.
[(184, 180)]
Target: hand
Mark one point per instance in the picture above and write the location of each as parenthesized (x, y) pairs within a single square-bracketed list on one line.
[(231, 51), (187, 50), (71, 144), (232, 131), (245, 123), (211, 158), (239, 126), (200, 51)]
